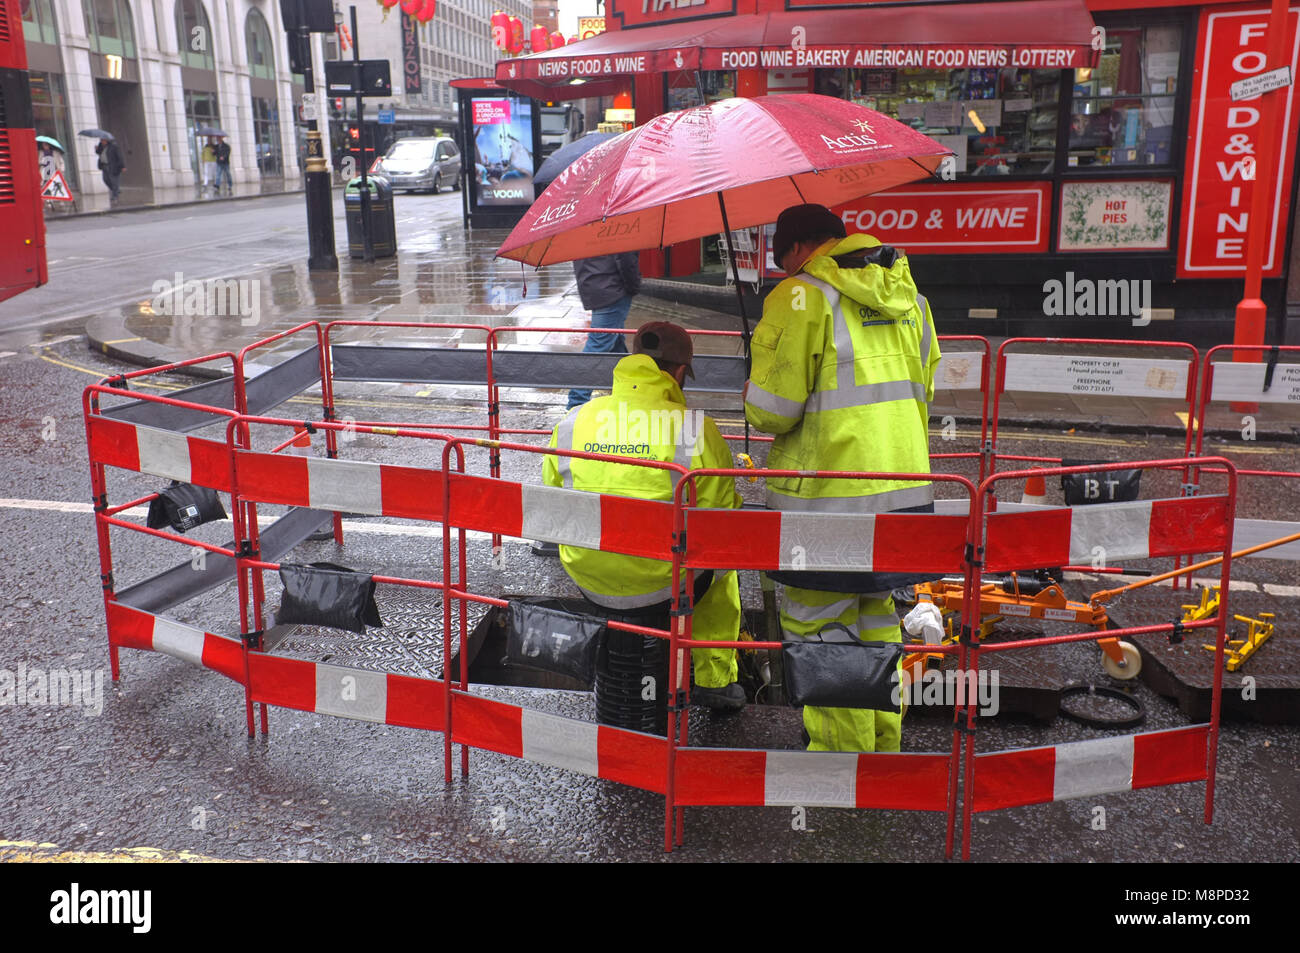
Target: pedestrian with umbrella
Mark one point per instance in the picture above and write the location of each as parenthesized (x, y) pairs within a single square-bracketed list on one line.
[(739, 163), (111, 163), (606, 283), (51, 157)]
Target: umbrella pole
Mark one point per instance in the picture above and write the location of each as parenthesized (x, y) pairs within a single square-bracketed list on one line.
[(740, 297)]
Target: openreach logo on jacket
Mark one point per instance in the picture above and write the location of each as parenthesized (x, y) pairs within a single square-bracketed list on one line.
[(75, 906), (633, 431)]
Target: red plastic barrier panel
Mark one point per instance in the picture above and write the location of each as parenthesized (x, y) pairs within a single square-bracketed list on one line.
[(1090, 768), (348, 486), (599, 751), (1142, 529), (719, 776), (361, 695), (163, 453), (131, 628)]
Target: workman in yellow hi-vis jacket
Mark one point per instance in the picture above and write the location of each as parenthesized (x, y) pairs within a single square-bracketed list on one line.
[(843, 368), (646, 418)]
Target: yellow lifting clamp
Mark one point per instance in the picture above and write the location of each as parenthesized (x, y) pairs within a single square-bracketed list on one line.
[(747, 462), (1238, 650), (1208, 607)]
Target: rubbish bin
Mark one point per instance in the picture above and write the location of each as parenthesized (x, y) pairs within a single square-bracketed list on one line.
[(383, 229)]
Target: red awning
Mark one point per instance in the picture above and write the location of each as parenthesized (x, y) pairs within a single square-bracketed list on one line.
[(1027, 34)]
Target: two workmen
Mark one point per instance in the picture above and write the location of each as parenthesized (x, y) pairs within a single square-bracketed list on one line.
[(843, 365)]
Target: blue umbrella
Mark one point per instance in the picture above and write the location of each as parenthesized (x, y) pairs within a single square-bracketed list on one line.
[(563, 157), (96, 134), (211, 131), (52, 141)]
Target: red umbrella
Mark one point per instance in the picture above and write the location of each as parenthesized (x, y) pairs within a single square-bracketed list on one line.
[(732, 164)]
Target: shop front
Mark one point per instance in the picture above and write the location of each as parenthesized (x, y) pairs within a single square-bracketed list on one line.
[(1092, 143)]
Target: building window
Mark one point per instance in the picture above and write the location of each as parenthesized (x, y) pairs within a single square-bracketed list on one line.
[(194, 35), (38, 22), (257, 38), (108, 25), (1122, 111), (51, 118)]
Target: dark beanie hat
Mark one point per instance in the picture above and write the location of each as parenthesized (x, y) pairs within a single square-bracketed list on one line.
[(802, 222)]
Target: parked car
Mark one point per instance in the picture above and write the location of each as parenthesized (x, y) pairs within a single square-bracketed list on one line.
[(421, 163)]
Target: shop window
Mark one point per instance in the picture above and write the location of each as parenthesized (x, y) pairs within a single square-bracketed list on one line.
[(1122, 111), (50, 118), (996, 121), (194, 35), (108, 23), (38, 22), (257, 37)]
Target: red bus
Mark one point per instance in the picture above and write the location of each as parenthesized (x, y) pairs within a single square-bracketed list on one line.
[(22, 220)]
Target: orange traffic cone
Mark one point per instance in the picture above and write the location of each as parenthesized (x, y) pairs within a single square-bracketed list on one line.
[(301, 444), (1035, 491)]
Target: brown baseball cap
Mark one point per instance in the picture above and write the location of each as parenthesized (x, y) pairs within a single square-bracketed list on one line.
[(664, 341)]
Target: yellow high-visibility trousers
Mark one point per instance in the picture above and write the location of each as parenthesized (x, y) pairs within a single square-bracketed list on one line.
[(717, 617), (869, 617)]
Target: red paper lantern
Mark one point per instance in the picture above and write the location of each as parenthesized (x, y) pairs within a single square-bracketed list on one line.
[(411, 7), (388, 4), (557, 40), (539, 39), (516, 35), (427, 11), (500, 30)]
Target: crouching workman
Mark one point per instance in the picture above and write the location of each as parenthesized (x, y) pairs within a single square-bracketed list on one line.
[(646, 418), (843, 368)]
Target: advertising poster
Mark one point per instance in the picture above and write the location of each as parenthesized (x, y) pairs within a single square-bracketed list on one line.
[(503, 155)]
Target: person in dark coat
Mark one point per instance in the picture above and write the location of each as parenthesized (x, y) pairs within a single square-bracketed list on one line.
[(112, 165), (606, 285)]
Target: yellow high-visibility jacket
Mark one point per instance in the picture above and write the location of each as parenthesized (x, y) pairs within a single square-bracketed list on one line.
[(645, 418), (843, 368)]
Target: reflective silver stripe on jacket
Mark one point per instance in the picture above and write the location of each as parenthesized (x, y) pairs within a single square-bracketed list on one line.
[(632, 602), (900, 499), (847, 392), (564, 441), (755, 396), (925, 333)]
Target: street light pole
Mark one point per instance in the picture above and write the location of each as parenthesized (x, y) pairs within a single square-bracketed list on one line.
[(367, 240), (320, 204)]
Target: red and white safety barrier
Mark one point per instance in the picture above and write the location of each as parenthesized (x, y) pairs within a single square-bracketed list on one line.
[(163, 453), (1142, 529), (130, 628), (347, 486), (812, 779), (1090, 768), (599, 751), (380, 697)]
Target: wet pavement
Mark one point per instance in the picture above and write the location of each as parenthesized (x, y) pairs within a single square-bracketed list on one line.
[(166, 764)]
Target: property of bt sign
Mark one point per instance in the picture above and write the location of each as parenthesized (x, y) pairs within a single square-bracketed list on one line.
[(1223, 143)]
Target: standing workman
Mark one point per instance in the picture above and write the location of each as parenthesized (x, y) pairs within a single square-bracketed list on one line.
[(843, 368), (646, 418)]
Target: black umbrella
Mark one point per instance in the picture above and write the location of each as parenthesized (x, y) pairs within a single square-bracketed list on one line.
[(563, 157), (96, 134)]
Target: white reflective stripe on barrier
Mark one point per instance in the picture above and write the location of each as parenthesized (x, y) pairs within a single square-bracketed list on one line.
[(163, 453), (1235, 380), (560, 742), (1248, 533), (1096, 376), (827, 541), (345, 485), (1121, 530), (178, 641), (351, 693), (554, 515), (959, 371), (810, 779), (1098, 766)]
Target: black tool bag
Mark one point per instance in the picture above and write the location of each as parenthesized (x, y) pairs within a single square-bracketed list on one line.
[(1101, 486), (553, 640), (831, 673), (327, 594), (183, 506)]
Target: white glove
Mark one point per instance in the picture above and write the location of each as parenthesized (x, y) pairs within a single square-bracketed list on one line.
[(927, 621)]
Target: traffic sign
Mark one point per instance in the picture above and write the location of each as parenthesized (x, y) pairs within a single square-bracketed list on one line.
[(1260, 83), (56, 188), (387, 117)]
